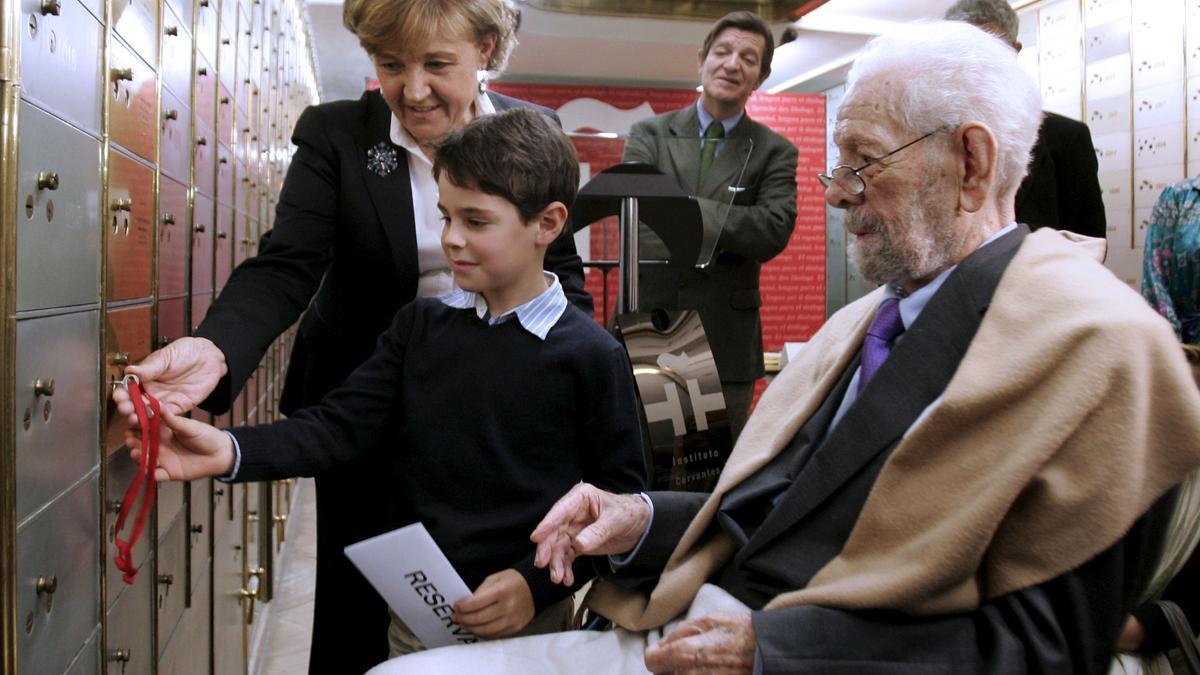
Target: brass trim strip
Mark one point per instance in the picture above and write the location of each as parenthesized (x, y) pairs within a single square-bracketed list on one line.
[(10, 96)]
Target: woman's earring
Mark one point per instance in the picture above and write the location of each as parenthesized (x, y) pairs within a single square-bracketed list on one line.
[(482, 77)]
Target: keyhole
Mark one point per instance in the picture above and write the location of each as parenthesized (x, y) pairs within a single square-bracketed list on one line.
[(49, 210), (53, 41), (116, 229), (29, 206), (29, 624), (126, 226), (28, 418), (46, 411), (33, 25)]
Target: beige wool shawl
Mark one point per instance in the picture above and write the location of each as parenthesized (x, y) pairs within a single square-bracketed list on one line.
[(1071, 412)]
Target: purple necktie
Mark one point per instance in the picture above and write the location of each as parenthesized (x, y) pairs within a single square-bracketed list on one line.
[(878, 343)]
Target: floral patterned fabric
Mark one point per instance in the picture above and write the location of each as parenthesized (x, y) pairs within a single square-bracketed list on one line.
[(1171, 267)]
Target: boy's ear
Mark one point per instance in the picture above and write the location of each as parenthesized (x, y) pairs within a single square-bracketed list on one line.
[(550, 222)]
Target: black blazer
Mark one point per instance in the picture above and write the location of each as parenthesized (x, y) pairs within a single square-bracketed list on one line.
[(1061, 189), (344, 247)]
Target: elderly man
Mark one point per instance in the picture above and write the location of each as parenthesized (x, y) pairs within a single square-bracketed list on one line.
[(963, 472)]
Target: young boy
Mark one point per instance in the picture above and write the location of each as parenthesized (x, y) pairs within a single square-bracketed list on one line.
[(501, 395)]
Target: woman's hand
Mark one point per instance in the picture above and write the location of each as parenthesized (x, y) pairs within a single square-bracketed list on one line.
[(187, 449), (501, 606), (180, 376)]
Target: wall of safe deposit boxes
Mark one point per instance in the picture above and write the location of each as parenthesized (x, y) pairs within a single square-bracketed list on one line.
[(142, 146)]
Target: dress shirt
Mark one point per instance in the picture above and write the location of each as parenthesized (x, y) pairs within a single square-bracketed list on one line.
[(435, 278), (537, 316), (705, 119)]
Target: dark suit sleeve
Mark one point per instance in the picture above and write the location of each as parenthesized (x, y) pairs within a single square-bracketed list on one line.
[(673, 512), (563, 260), (640, 146), (1080, 205), (760, 231), (346, 421), (267, 293), (1066, 625)]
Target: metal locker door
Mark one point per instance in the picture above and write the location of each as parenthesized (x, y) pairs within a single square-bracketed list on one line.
[(173, 221), (202, 500), (58, 220), (176, 55), (128, 227), (55, 393), (61, 58), (171, 578), (202, 247), (175, 137), (132, 116), (136, 22), (130, 644), (58, 590)]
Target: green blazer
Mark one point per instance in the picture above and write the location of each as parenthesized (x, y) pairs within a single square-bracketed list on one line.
[(751, 231)]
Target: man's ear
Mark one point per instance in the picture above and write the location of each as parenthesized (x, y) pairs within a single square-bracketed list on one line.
[(550, 222), (977, 166)]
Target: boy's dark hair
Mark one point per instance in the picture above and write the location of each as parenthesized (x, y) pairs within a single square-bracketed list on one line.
[(751, 23), (518, 154)]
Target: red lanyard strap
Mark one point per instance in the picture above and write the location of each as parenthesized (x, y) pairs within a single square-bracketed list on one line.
[(145, 476)]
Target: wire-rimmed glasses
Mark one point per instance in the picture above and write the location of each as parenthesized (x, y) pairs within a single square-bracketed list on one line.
[(848, 179)]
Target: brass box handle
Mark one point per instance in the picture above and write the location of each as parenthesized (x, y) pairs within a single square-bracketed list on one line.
[(47, 180), (122, 204), (43, 387), (51, 7), (47, 585), (119, 74)]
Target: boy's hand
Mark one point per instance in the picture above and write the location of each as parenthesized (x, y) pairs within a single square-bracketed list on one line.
[(188, 449), (501, 606)]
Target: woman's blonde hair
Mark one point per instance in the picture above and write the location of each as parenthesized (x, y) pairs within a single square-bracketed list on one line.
[(390, 26)]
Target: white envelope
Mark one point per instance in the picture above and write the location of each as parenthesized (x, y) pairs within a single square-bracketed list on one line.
[(412, 574)]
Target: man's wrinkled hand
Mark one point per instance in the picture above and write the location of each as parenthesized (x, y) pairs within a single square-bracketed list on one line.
[(587, 521), (721, 642), (180, 376)]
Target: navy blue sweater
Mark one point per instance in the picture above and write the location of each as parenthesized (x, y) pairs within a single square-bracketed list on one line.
[(492, 425)]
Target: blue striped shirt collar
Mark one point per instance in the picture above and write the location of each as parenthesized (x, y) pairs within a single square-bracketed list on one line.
[(537, 316)]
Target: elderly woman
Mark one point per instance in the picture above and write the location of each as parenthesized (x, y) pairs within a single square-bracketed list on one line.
[(356, 236)]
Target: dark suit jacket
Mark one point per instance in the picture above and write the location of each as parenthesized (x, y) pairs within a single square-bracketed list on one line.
[(1061, 189), (344, 239), (755, 229), (824, 479)]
